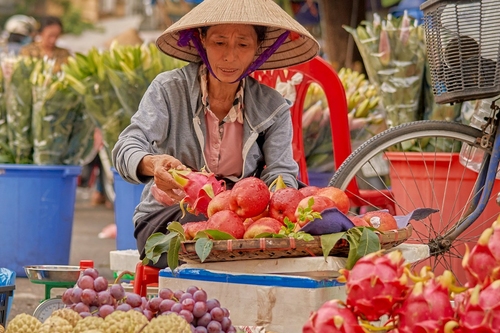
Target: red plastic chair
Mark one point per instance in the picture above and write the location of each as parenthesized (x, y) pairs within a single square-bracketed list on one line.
[(145, 276), (321, 72)]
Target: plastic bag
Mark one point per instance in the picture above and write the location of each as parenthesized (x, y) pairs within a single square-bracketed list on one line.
[(7, 278)]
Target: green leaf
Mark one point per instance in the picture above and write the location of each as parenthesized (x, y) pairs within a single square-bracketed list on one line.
[(219, 235), (173, 253), (203, 248), (368, 243), (266, 235), (328, 242), (157, 244), (177, 227), (353, 250), (201, 234)]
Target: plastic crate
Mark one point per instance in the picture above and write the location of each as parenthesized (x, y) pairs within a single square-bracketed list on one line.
[(463, 48), (6, 293)]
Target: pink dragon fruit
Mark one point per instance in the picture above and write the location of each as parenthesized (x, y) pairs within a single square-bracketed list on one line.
[(200, 188), (479, 311), (332, 317), (427, 308), (494, 242), (376, 284), (481, 266)]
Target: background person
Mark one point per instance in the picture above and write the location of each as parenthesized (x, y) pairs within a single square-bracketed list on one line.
[(21, 30), (211, 114)]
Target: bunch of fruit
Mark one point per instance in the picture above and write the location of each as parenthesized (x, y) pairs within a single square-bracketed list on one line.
[(92, 304), (380, 287)]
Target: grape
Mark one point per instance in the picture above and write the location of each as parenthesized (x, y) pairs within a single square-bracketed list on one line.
[(199, 309), (226, 312), (117, 291), (66, 296), (154, 304), (192, 289), (104, 297), (186, 314), (200, 329), (185, 296), (92, 272), (148, 313), (214, 327), (76, 295), (85, 314), (133, 299), (123, 307), (166, 305), (89, 296), (105, 310), (86, 282), (178, 294), (212, 303), (231, 329), (81, 307), (144, 303), (166, 293), (188, 304), (217, 314), (100, 284), (200, 296), (177, 307), (225, 323), (204, 320)]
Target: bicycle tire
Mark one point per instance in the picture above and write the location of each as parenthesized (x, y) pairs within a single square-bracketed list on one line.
[(425, 178)]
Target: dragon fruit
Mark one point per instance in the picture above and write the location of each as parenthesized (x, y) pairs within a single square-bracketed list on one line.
[(200, 187), (494, 242), (375, 285), (332, 317), (479, 310), (427, 308), (481, 266)]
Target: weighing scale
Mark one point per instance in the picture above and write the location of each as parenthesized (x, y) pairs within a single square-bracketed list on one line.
[(54, 276)]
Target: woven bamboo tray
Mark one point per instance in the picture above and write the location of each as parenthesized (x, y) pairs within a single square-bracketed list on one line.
[(272, 248)]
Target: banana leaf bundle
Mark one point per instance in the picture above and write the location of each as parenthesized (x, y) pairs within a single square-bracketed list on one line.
[(393, 52), (81, 140), (6, 155)]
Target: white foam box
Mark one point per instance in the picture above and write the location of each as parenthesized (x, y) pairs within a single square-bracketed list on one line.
[(277, 302)]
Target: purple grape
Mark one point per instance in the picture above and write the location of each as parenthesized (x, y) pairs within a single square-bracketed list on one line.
[(200, 296), (200, 329), (166, 305), (192, 289), (92, 272), (123, 307), (144, 303), (226, 312), (117, 291), (133, 299), (76, 295), (199, 309), (204, 320), (81, 307), (66, 296), (185, 296), (149, 314), (188, 315), (178, 294), (214, 327), (89, 296), (105, 310), (217, 314), (188, 304), (100, 284), (166, 293), (177, 307), (225, 323), (104, 297), (86, 282), (85, 314), (231, 329), (212, 303), (154, 304)]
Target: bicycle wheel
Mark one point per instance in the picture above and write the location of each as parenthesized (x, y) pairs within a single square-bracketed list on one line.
[(412, 166)]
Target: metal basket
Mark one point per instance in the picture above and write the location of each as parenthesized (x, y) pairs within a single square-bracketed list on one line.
[(463, 48)]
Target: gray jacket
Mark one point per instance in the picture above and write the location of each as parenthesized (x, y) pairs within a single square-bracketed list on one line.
[(170, 120)]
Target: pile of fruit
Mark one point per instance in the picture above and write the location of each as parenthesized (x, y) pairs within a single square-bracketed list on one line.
[(94, 306), (382, 290)]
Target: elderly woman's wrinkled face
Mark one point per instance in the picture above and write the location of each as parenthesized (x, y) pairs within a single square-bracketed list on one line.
[(49, 36), (231, 49)]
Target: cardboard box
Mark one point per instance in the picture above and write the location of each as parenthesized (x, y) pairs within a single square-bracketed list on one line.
[(279, 303)]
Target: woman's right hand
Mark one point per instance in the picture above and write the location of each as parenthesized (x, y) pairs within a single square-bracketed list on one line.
[(157, 166)]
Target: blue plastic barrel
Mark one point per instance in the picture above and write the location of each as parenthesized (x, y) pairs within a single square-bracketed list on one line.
[(127, 197), (37, 205)]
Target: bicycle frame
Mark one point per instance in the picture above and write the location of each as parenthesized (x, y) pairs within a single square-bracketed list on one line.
[(483, 187)]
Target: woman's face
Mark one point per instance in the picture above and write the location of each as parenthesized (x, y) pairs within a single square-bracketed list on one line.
[(49, 36), (230, 49)]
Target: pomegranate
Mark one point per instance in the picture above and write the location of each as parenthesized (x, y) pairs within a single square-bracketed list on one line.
[(332, 317)]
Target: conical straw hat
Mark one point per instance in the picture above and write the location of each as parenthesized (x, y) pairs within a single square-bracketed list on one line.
[(299, 47)]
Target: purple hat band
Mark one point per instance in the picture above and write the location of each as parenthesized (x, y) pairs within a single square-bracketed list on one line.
[(193, 35)]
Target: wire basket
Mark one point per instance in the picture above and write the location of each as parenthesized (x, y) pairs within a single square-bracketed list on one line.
[(5, 296), (463, 49)]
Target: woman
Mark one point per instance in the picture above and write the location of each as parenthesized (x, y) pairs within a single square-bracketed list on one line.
[(21, 30), (210, 114), (50, 29)]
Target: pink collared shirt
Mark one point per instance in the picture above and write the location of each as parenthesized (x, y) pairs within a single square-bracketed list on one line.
[(224, 141)]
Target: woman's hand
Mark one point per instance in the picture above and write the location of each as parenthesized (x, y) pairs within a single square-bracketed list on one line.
[(157, 166)]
